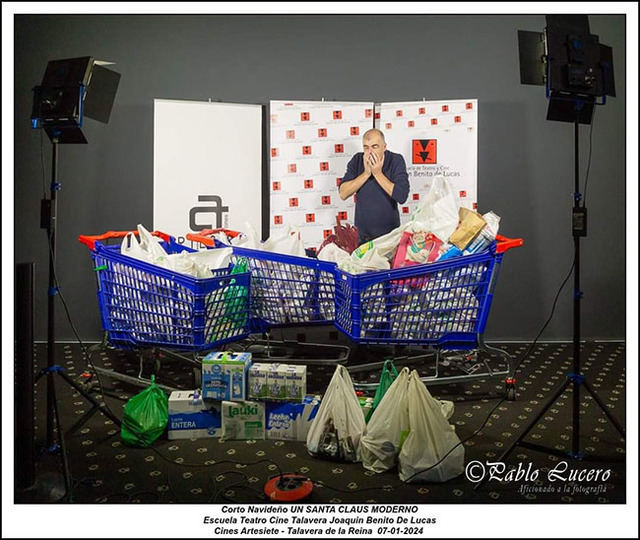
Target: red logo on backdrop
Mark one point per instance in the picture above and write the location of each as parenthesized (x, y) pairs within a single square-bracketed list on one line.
[(326, 199), (422, 110), (410, 123), (398, 113), (306, 150), (308, 184), (277, 220), (324, 165), (339, 148), (326, 233), (416, 196), (475, 205), (457, 119), (405, 209), (342, 215), (463, 194), (445, 108), (387, 125), (355, 130), (322, 132), (276, 186), (274, 118), (311, 218), (338, 180), (337, 115), (274, 152), (424, 151), (434, 121), (291, 134), (293, 201), (377, 116), (468, 106), (304, 116), (368, 113), (292, 167)]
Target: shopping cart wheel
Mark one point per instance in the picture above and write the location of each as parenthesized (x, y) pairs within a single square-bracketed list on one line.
[(510, 388)]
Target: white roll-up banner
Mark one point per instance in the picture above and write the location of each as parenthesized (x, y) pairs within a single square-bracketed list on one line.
[(207, 166)]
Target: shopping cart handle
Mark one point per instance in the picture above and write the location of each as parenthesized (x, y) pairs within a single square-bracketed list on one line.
[(205, 236), (90, 241), (505, 244)]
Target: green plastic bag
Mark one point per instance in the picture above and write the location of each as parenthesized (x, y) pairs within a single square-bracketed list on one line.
[(235, 317), (146, 416), (388, 375)]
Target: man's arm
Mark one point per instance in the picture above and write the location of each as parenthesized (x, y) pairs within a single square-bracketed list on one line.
[(398, 190), (352, 181)]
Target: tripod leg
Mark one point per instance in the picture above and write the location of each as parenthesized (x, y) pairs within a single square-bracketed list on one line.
[(82, 420), (63, 449), (90, 399), (529, 427), (604, 408)]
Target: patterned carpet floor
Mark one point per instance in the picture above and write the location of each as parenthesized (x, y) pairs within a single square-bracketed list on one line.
[(104, 470)]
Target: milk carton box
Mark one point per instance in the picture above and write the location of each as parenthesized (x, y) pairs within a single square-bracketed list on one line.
[(291, 421), (277, 382), (224, 375), (258, 387), (296, 382), (191, 417), (242, 420)]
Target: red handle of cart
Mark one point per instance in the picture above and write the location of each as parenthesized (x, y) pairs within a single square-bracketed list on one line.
[(90, 241), (505, 244), (204, 237)]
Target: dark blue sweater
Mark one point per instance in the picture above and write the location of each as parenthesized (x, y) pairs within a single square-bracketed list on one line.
[(376, 212)]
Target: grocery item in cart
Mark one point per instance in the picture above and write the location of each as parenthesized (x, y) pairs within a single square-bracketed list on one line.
[(242, 420)]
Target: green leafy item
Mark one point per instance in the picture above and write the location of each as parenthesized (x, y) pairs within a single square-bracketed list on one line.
[(146, 416), (388, 375)]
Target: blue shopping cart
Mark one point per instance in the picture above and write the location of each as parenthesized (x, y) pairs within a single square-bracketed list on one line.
[(443, 305), (143, 306)]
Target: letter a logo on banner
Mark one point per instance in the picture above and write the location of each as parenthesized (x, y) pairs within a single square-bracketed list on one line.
[(425, 151)]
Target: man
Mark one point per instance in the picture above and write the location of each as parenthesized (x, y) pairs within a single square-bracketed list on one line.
[(379, 179)]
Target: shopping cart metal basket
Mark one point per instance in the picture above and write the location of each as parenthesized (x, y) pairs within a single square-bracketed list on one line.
[(143, 305), (286, 290)]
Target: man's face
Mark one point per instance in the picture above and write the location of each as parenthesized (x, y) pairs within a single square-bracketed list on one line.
[(373, 144)]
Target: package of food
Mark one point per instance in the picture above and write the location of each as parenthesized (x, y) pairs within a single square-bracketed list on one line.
[(471, 223)]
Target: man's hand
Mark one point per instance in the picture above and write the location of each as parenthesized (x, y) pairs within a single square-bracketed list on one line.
[(376, 163), (367, 165)]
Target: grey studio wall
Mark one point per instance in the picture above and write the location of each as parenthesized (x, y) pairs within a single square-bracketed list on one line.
[(525, 163)]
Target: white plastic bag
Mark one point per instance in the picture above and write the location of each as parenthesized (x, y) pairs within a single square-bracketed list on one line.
[(147, 249), (332, 253), (439, 209), (387, 427), (249, 239), (289, 243), (336, 430), (430, 438)]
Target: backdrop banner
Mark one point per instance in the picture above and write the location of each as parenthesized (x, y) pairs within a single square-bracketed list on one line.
[(207, 166), (311, 144), (436, 138)]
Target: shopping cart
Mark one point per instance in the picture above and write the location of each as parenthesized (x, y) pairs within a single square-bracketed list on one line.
[(146, 307), (443, 306), (286, 291)]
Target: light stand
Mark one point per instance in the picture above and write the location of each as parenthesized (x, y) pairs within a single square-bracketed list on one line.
[(573, 80), (70, 90)]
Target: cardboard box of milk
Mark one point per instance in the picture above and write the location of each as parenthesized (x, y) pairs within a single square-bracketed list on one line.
[(191, 417), (291, 421), (242, 420), (277, 382), (258, 386), (296, 382), (224, 375)]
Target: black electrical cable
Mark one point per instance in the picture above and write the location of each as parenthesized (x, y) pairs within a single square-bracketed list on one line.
[(502, 400), (586, 180)]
